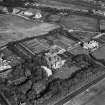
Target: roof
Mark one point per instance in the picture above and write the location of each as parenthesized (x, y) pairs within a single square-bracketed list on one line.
[(34, 11), (4, 65)]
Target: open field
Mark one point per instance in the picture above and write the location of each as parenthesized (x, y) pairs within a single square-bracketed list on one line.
[(79, 22), (76, 22), (16, 28), (100, 53), (93, 96)]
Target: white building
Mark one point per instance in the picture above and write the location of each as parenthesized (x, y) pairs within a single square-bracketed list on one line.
[(35, 14), (4, 65), (48, 71), (53, 60), (38, 15), (28, 13), (92, 45)]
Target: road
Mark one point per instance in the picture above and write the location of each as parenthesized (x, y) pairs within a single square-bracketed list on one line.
[(82, 89)]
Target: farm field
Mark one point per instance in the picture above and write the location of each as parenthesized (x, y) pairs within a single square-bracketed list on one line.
[(16, 28)]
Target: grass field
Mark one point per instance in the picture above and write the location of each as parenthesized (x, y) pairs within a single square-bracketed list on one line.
[(93, 96), (79, 22), (100, 53), (16, 28)]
